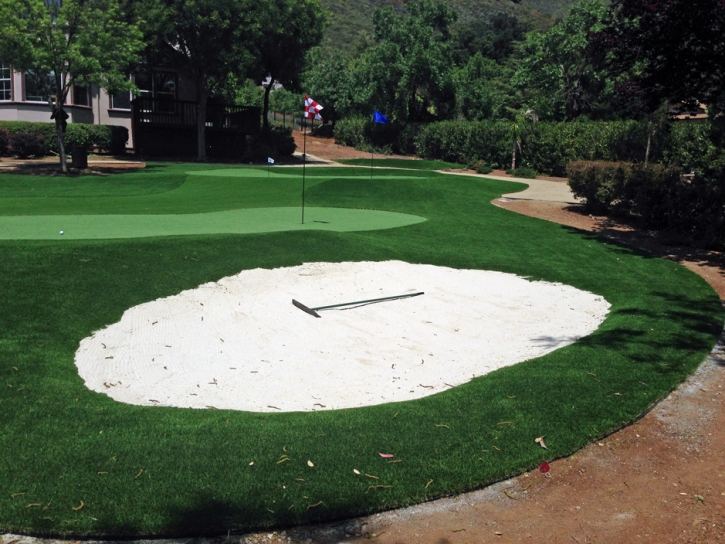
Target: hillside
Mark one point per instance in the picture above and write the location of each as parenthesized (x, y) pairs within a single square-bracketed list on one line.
[(352, 19)]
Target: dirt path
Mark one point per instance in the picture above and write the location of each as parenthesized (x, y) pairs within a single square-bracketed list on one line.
[(660, 480)]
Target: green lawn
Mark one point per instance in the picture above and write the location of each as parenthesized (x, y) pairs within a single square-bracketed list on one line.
[(414, 164), (74, 462)]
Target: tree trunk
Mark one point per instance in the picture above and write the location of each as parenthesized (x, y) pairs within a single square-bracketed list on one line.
[(649, 141), (61, 141), (265, 106), (201, 124), (513, 156)]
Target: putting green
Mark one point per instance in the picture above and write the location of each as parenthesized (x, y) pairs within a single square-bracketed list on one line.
[(244, 221)]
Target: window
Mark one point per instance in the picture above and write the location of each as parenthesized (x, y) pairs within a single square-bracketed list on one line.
[(121, 100), (80, 95), (159, 85), (6, 82), (39, 87)]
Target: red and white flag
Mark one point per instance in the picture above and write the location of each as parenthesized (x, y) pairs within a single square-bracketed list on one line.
[(312, 109)]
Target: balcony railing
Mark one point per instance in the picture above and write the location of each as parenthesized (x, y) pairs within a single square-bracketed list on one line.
[(180, 113)]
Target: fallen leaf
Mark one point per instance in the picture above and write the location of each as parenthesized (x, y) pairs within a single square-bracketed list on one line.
[(139, 474), (700, 498), (544, 467), (79, 507), (386, 455), (313, 505), (310, 464), (33, 505), (457, 530), (429, 482), (442, 425), (540, 442), (371, 476), (497, 533)]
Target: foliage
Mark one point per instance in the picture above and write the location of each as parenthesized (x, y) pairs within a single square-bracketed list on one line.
[(290, 29), (481, 167), (666, 50), (209, 40), (494, 38), (284, 101), (277, 142), (74, 42), (546, 146), (3, 141), (407, 73), (363, 133), (558, 75), (523, 172), (477, 92), (24, 145), (108, 138), (328, 78), (658, 196)]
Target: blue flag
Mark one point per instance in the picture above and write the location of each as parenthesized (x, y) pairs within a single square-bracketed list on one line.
[(380, 118)]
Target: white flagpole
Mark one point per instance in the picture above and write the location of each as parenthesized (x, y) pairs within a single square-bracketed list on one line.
[(304, 162)]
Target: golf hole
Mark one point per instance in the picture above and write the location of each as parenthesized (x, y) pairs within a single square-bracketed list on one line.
[(241, 344)]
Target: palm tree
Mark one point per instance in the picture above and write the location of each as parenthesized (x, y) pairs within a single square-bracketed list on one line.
[(522, 119)]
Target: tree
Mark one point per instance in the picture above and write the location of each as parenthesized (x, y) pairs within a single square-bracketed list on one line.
[(67, 43), (520, 123), (408, 72), (494, 38), (671, 49), (210, 40), (477, 89), (558, 72), (329, 79), (290, 29)]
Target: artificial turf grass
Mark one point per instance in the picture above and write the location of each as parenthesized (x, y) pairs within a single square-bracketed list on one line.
[(194, 194), (414, 164), (241, 221), (196, 477)]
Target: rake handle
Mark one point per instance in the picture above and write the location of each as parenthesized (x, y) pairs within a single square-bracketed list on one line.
[(367, 301)]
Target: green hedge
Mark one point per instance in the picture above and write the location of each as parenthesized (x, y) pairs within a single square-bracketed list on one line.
[(690, 207), (547, 147), (105, 138), (363, 133)]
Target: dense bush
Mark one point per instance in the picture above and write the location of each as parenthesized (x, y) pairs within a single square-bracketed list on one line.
[(3, 142), (27, 145), (480, 167), (104, 138), (547, 147), (689, 207), (277, 142), (523, 172), (363, 133)]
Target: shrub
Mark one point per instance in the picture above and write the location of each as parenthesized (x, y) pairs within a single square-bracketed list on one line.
[(598, 183), (523, 172), (27, 145), (106, 138), (277, 142), (3, 141), (480, 167)]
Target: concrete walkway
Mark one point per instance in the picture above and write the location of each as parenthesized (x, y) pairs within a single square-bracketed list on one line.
[(539, 189)]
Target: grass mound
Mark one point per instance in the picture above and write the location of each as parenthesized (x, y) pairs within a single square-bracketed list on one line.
[(413, 164), (77, 463)]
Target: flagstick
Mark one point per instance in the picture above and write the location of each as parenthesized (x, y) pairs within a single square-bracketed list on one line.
[(304, 161)]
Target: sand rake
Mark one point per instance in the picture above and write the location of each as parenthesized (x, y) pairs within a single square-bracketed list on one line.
[(313, 311)]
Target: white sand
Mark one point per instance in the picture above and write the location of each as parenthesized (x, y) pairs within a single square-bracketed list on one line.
[(240, 344)]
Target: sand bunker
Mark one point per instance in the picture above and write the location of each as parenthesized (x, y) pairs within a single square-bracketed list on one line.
[(240, 344)]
